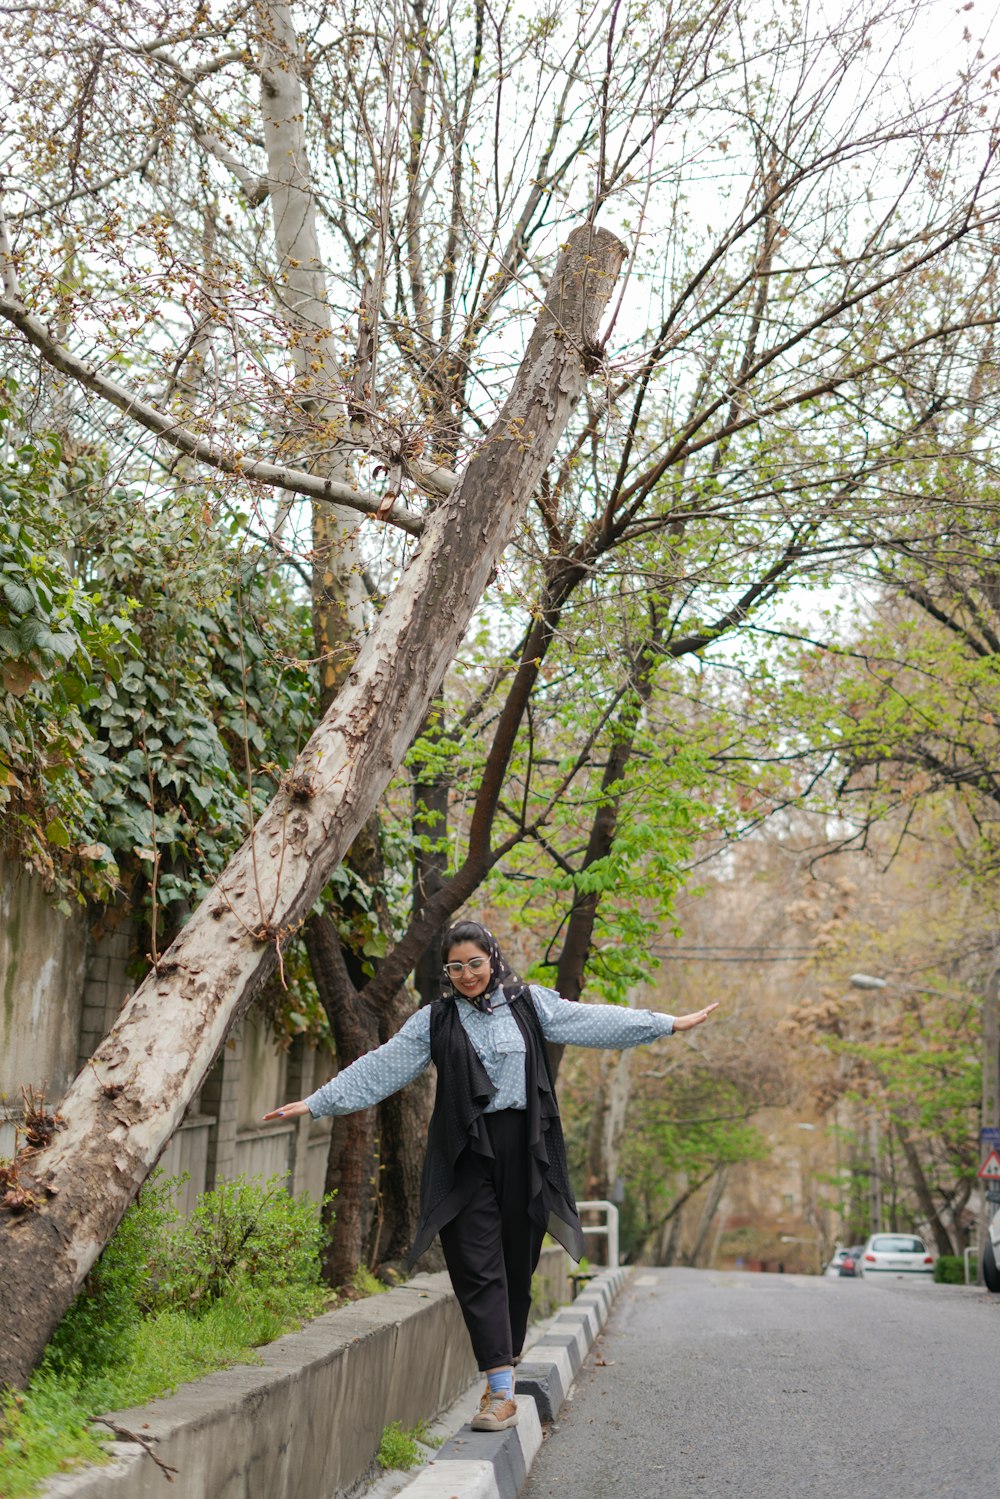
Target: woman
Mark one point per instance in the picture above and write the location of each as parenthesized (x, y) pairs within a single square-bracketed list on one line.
[(495, 1177)]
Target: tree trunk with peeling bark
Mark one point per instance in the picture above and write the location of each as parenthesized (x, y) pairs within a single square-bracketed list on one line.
[(122, 1110), (301, 294), (708, 1215), (351, 1160), (338, 598), (925, 1196)]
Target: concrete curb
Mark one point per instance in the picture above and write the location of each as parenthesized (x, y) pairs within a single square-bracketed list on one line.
[(495, 1465)]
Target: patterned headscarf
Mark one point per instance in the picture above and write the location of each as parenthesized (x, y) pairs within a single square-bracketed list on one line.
[(501, 972)]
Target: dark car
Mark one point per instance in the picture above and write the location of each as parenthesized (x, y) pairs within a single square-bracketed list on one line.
[(849, 1263), (991, 1256)]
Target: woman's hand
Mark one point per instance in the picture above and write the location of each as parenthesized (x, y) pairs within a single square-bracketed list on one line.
[(288, 1110), (688, 1022)]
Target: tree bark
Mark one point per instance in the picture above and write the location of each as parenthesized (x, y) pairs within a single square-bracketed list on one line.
[(654, 1230), (402, 1130), (430, 865), (925, 1197), (708, 1215), (607, 1122), (338, 594), (607, 1127), (301, 294), (122, 1110), (990, 1115), (670, 1237), (580, 928), (351, 1162)]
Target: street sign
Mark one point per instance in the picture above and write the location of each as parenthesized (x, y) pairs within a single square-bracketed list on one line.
[(990, 1169), (989, 1137)]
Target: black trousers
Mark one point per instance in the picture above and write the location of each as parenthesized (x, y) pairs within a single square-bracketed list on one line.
[(491, 1246)]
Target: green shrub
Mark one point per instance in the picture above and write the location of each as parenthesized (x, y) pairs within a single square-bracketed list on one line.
[(949, 1270), (244, 1239), (169, 1300)]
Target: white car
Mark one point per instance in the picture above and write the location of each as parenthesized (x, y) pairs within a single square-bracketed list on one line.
[(991, 1256), (895, 1254)]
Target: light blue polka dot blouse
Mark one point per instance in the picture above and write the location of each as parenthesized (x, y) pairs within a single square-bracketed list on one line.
[(498, 1042)]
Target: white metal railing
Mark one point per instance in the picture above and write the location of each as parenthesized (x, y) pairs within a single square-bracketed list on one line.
[(969, 1249), (606, 1230)]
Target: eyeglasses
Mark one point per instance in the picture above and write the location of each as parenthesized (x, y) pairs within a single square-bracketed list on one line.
[(474, 965)]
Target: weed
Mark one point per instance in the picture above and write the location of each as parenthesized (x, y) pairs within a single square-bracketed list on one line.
[(398, 1448), (365, 1283), (14, 1196), (37, 1126)]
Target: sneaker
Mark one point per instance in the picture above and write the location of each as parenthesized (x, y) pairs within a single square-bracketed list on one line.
[(499, 1413), (484, 1400)]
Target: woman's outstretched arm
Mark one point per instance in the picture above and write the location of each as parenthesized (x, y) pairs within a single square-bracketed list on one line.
[(611, 1026), (372, 1077)]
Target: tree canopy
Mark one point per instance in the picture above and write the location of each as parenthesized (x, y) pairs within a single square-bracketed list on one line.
[(267, 274)]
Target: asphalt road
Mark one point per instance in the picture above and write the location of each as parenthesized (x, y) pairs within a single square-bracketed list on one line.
[(707, 1385)]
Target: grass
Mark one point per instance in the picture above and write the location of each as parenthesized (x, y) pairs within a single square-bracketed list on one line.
[(45, 1431)]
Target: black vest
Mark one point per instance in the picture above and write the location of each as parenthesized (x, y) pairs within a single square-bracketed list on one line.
[(463, 1091)]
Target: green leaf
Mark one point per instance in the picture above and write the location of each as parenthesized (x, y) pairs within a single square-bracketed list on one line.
[(18, 596), (58, 833)]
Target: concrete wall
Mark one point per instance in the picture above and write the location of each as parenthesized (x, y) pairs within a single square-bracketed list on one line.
[(306, 1422), (62, 985), (551, 1285), (43, 958)]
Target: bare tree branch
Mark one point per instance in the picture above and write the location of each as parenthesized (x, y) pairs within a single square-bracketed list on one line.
[(293, 481)]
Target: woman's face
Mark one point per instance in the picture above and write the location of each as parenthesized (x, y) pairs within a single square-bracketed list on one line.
[(473, 977)]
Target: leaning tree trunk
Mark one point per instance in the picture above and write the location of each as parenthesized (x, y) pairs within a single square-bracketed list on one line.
[(708, 1215), (122, 1110)]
